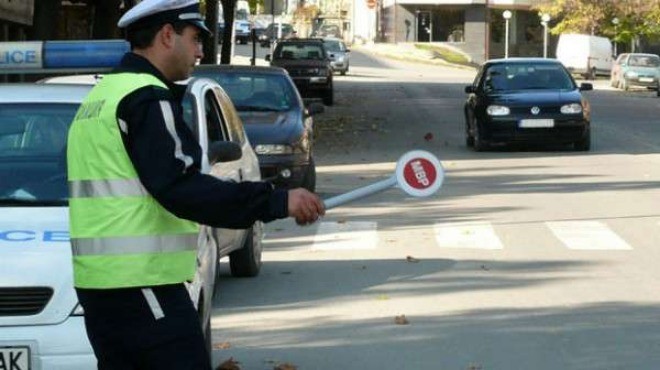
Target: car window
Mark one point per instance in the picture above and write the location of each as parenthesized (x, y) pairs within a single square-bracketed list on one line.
[(621, 58), (334, 46), (527, 76), (651, 61), (33, 150), (231, 118), (215, 125), (300, 51)]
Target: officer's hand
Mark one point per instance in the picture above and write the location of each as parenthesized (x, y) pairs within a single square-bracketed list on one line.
[(306, 207)]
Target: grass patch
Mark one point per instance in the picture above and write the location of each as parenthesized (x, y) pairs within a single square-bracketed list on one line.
[(445, 53)]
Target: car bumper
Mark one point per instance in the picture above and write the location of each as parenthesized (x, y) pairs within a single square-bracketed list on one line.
[(53, 347), (509, 131), (650, 82), (271, 165), (339, 66)]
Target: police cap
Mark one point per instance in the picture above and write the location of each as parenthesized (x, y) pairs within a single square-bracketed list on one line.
[(155, 12)]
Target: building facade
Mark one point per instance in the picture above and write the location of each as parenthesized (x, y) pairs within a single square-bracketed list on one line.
[(475, 27)]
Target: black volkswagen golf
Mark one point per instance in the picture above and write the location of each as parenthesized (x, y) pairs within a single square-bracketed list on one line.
[(528, 100)]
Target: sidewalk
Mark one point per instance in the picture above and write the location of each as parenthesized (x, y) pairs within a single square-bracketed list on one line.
[(406, 52)]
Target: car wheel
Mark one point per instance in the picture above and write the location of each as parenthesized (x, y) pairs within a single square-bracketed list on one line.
[(478, 144), (309, 179), (584, 144), (625, 85), (343, 73), (329, 97), (469, 139), (246, 261), (657, 90)]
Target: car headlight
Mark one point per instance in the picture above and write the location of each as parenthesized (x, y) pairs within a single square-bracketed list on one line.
[(340, 58), (631, 74), (273, 149), (571, 108), (497, 110)]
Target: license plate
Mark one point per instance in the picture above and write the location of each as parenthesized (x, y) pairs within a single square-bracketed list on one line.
[(15, 358), (534, 123), (645, 79)]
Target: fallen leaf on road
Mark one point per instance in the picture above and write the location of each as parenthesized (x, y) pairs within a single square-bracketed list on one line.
[(285, 272), (342, 221), (285, 366), (401, 320), (412, 259), (428, 136), (485, 268), (223, 345), (230, 364), (382, 297)]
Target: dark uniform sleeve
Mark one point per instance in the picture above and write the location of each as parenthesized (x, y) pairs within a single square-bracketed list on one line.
[(167, 159)]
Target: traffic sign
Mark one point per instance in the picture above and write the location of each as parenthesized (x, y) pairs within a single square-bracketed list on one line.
[(418, 173)]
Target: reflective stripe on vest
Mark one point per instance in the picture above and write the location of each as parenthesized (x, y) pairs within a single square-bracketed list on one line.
[(120, 235), (107, 188), (134, 244)]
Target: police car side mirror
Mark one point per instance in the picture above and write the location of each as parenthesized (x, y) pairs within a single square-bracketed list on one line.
[(469, 89), (224, 151)]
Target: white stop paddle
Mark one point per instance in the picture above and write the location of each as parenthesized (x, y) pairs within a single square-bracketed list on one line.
[(418, 173)]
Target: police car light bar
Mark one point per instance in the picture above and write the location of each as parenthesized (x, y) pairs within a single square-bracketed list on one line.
[(61, 56)]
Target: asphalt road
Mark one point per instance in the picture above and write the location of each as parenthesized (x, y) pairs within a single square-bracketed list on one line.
[(536, 258)]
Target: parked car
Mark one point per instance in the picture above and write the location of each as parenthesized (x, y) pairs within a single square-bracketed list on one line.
[(308, 65), (279, 126), (636, 69), (526, 100), (272, 33), (41, 322), (338, 54), (586, 55), (327, 30)]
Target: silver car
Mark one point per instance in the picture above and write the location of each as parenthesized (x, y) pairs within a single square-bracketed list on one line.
[(338, 53)]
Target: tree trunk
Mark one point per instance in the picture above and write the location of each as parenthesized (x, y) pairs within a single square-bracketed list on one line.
[(228, 8), (46, 16), (211, 44), (106, 16)]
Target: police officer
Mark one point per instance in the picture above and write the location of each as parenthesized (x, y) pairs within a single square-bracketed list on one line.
[(137, 196)]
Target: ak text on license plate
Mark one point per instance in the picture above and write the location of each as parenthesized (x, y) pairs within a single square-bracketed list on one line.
[(15, 358)]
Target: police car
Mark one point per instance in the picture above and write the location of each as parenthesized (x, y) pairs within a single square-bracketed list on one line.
[(41, 322)]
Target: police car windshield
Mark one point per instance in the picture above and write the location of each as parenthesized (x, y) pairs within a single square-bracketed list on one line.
[(33, 153), (527, 76)]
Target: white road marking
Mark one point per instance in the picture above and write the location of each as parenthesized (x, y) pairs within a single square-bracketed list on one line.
[(587, 235), (346, 236), (467, 235)]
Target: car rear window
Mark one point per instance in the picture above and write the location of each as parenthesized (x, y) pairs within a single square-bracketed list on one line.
[(652, 61), (300, 51), (528, 76), (33, 150), (333, 46)]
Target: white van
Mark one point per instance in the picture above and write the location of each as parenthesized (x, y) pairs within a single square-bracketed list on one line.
[(585, 54)]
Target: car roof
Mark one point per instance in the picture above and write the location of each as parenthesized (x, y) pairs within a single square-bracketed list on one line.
[(43, 93), (241, 69), (305, 40), (521, 61)]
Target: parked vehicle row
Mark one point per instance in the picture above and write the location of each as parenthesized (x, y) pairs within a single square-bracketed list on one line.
[(636, 70)]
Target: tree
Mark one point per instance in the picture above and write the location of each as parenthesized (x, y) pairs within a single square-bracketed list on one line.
[(211, 44), (228, 9), (637, 18)]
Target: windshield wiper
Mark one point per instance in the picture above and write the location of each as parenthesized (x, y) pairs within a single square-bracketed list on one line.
[(32, 202)]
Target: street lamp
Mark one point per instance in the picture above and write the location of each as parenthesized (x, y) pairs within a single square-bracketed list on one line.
[(545, 18), (507, 15), (615, 22)]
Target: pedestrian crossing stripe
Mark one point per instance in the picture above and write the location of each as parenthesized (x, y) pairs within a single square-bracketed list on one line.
[(467, 236), (363, 235), (587, 235), (346, 236)]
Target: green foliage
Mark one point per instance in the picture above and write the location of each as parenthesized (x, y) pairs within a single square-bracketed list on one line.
[(636, 17)]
